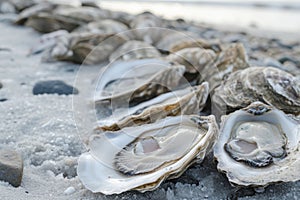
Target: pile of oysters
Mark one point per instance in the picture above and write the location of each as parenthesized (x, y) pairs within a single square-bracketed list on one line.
[(167, 97)]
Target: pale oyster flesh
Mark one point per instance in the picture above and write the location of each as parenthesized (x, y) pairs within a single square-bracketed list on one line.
[(190, 100), (258, 145), (140, 158)]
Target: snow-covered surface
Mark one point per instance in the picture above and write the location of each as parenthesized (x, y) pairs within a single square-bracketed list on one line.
[(42, 128)]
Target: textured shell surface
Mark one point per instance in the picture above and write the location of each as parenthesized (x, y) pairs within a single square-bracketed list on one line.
[(190, 100), (271, 85), (194, 58), (136, 81), (140, 158), (133, 50), (258, 145)]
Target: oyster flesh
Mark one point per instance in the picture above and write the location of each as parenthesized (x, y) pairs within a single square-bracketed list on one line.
[(190, 100), (140, 158), (258, 145)]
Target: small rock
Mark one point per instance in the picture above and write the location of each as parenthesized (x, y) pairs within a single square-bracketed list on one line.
[(69, 190), (53, 87), (11, 167), (1, 85)]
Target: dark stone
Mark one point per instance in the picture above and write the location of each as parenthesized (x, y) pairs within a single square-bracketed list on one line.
[(1, 85), (53, 87), (3, 99), (11, 167)]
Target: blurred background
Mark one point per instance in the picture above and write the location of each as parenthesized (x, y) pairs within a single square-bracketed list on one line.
[(275, 16)]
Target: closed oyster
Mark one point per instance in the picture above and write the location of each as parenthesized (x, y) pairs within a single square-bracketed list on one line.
[(190, 100), (258, 145), (268, 84), (229, 60), (133, 50), (145, 27), (85, 47), (140, 158), (132, 82), (194, 59), (173, 41), (106, 26)]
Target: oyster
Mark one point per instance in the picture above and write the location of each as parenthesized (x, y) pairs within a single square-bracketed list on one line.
[(173, 41), (133, 50), (258, 145), (132, 82), (230, 59), (85, 47), (140, 158), (194, 59), (268, 84), (190, 100), (106, 26)]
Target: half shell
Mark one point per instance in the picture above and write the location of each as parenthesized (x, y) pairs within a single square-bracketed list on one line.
[(190, 100), (140, 158), (259, 145), (131, 82)]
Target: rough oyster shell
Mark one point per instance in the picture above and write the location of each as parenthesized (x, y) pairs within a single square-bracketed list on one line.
[(89, 48), (229, 60), (133, 50), (194, 59), (173, 41), (140, 158), (190, 100), (106, 26), (132, 82), (258, 145), (268, 84)]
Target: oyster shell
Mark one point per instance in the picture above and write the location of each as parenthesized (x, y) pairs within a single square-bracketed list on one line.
[(194, 59), (132, 82), (190, 100), (230, 59), (106, 26), (258, 145), (133, 50), (173, 41), (268, 84), (140, 158), (89, 48)]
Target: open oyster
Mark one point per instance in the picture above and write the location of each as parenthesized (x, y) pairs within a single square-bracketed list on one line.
[(190, 100), (140, 158), (259, 145), (268, 84), (132, 82)]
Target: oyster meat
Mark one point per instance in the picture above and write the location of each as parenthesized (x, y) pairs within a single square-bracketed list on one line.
[(140, 158), (259, 145), (190, 100)]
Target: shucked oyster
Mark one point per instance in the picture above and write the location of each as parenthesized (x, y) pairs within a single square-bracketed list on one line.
[(132, 82), (140, 158), (190, 100), (268, 84), (259, 145)]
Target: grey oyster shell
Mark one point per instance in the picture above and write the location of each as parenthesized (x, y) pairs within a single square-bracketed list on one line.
[(141, 158), (133, 50), (268, 84), (258, 145)]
